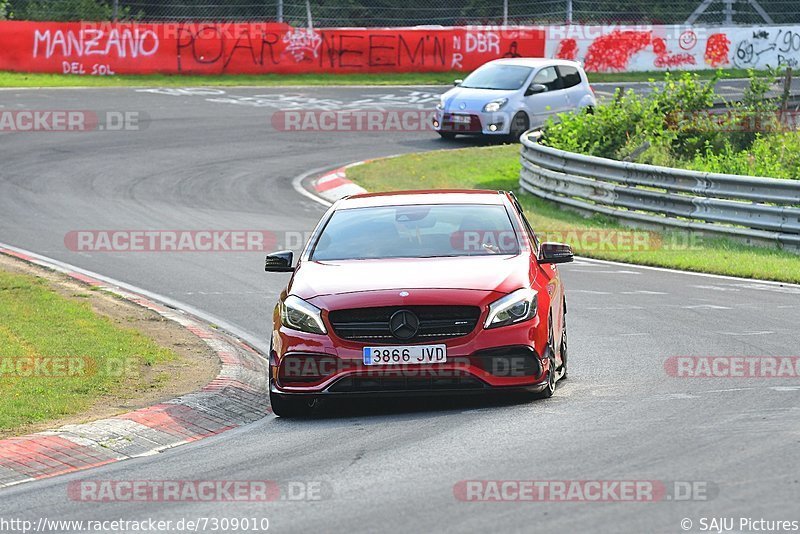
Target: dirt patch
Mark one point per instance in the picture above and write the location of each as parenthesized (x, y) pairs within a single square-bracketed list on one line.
[(195, 366)]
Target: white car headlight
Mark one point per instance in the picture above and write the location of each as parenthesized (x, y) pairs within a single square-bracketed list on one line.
[(495, 105), (300, 315), (513, 308)]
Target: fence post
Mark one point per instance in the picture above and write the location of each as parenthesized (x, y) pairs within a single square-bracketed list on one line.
[(114, 10), (787, 91), (505, 12), (728, 10), (569, 11), (279, 16)]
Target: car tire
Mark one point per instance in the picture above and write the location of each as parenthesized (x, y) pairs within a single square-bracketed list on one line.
[(519, 125), (447, 136), (289, 407), (548, 391)]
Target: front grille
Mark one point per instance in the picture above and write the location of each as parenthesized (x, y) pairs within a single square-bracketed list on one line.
[(371, 325), (366, 384)]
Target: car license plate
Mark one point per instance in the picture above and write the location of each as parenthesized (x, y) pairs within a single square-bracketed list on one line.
[(410, 355), (460, 119)]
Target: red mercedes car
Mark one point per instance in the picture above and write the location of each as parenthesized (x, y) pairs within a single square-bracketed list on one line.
[(418, 292)]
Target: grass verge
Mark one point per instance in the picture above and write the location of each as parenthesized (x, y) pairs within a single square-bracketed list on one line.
[(59, 358), (22, 79), (497, 167)]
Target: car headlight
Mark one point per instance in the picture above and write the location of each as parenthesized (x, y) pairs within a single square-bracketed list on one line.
[(495, 105), (513, 308), (441, 104), (300, 315)]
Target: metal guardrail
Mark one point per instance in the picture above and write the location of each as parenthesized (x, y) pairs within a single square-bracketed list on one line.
[(756, 210)]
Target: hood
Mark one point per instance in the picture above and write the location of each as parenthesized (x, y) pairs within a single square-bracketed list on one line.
[(502, 274), (472, 99)]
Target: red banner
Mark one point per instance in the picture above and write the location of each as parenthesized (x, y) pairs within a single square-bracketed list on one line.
[(253, 48)]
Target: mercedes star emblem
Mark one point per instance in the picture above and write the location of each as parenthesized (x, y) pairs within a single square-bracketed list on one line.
[(404, 324)]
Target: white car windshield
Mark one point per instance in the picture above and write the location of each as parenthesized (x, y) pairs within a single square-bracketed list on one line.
[(423, 231), (500, 77)]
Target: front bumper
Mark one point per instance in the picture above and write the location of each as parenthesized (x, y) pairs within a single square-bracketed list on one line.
[(502, 359), (470, 122), (410, 392)]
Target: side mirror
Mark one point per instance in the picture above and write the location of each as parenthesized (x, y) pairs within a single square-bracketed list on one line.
[(555, 253), (279, 262), (535, 89), (458, 82)]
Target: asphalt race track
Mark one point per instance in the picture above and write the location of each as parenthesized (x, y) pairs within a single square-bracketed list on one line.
[(212, 160)]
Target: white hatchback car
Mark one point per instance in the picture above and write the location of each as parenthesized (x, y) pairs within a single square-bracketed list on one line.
[(509, 96)]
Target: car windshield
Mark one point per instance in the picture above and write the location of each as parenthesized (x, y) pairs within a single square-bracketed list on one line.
[(500, 77), (419, 231)]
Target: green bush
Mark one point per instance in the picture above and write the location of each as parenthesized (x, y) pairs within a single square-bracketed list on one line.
[(776, 155), (672, 127), (668, 115), (3, 9)]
